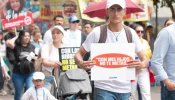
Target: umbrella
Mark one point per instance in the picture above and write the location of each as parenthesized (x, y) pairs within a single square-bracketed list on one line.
[(99, 9)]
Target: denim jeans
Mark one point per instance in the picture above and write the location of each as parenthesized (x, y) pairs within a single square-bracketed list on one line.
[(19, 80), (170, 95), (100, 94), (162, 90)]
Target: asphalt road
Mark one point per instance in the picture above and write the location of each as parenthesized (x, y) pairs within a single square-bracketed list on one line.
[(155, 94)]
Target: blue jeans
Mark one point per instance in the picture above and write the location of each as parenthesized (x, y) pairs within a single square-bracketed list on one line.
[(162, 90), (100, 94), (19, 80), (170, 95)]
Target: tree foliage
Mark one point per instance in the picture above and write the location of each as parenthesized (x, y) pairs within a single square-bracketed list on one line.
[(167, 3)]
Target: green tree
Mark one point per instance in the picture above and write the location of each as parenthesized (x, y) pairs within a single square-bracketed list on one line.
[(167, 3)]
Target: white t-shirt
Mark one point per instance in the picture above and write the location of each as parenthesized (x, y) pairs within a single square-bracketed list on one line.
[(37, 94), (50, 53), (113, 85), (74, 38)]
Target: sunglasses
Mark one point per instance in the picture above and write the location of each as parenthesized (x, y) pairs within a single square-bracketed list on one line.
[(74, 22), (139, 31)]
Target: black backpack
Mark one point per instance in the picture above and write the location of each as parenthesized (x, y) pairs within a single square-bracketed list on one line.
[(26, 67)]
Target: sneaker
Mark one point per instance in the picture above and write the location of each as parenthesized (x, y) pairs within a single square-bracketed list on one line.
[(3, 93)]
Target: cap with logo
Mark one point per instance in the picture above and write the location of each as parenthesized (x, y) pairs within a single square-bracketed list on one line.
[(38, 76), (73, 18), (118, 2)]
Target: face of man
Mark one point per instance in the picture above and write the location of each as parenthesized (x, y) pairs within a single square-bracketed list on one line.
[(59, 21), (87, 28), (116, 14), (73, 25)]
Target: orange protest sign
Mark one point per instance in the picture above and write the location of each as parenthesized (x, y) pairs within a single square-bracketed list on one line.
[(112, 60)]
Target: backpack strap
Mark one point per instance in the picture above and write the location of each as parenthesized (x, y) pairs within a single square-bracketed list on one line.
[(128, 33), (83, 37), (103, 33)]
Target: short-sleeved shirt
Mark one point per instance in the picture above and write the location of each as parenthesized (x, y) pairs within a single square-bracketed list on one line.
[(50, 53), (118, 86)]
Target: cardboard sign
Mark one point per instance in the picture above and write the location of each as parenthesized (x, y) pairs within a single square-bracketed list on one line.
[(66, 56), (18, 21), (111, 61)]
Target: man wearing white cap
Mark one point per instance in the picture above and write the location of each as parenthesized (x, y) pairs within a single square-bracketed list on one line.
[(113, 89), (38, 92)]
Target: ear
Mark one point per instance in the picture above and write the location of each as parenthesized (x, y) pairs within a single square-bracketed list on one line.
[(125, 11)]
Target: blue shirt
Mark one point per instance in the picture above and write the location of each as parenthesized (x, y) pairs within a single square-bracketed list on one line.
[(164, 54)]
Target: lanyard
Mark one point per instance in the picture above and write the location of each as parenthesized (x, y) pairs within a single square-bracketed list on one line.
[(37, 93)]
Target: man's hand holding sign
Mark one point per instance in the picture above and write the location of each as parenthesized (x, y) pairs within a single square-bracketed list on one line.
[(115, 64)]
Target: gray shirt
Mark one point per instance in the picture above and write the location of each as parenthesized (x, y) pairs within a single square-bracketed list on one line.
[(164, 52)]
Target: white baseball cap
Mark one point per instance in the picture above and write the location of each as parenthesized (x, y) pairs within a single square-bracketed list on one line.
[(60, 28), (38, 76), (118, 2)]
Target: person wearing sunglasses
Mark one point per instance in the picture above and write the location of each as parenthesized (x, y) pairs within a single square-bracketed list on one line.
[(142, 75), (74, 36)]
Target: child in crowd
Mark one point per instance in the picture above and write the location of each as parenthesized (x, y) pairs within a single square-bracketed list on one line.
[(38, 92)]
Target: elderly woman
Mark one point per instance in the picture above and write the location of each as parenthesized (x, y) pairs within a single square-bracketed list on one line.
[(142, 75), (50, 55)]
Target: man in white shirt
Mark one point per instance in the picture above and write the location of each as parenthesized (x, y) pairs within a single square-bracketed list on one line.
[(58, 20), (112, 89), (74, 35)]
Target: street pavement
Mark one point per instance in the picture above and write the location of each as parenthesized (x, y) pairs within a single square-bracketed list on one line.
[(155, 94)]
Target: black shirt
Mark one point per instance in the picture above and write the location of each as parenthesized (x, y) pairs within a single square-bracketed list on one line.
[(17, 51)]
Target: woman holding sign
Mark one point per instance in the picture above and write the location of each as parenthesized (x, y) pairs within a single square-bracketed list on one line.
[(50, 55)]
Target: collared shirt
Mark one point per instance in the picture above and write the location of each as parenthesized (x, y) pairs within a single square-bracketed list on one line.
[(164, 54), (41, 94)]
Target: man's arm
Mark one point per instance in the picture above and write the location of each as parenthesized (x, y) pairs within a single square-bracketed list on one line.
[(160, 50), (86, 65)]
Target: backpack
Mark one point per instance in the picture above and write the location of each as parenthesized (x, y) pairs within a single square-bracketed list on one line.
[(26, 67)]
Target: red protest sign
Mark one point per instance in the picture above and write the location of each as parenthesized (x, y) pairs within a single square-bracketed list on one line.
[(19, 21), (112, 60)]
